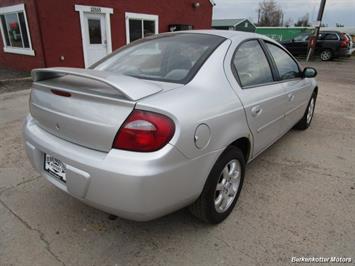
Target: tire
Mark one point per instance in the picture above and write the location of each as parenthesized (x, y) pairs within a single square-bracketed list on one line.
[(307, 118), (206, 207), (326, 55)]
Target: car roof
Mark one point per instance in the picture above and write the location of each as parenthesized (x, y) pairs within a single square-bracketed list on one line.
[(229, 34), (330, 31)]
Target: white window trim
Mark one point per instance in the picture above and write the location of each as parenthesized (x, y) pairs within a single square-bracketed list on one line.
[(140, 16), (16, 50), (88, 9), (213, 3)]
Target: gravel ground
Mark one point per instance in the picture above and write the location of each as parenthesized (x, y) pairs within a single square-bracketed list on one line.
[(15, 85), (298, 200), (11, 80), (6, 73)]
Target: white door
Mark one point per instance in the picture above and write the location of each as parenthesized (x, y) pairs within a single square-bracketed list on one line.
[(95, 37)]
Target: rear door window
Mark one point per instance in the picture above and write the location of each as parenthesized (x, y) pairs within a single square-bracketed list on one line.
[(328, 36), (252, 65), (331, 37), (287, 67)]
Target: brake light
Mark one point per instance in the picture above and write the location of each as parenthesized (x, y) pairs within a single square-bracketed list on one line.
[(343, 44), (144, 131), (345, 41)]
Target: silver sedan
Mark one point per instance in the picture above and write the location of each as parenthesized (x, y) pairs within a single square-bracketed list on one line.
[(166, 122)]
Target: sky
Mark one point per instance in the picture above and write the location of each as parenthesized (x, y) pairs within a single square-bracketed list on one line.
[(336, 11)]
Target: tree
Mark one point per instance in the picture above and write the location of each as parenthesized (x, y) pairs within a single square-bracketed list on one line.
[(303, 21), (339, 25), (270, 14)]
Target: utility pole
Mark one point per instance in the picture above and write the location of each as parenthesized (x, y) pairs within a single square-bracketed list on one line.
[(313, 39), (259, 11)]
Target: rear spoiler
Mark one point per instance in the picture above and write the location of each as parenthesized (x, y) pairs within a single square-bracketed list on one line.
[(131, 88)]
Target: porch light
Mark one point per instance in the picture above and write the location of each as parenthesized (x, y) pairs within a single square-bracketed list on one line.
[(196, 5)]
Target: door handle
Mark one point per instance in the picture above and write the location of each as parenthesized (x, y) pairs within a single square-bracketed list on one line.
[(256, 110), (291, 97)]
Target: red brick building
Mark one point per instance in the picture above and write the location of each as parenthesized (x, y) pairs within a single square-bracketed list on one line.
[(76, 33)]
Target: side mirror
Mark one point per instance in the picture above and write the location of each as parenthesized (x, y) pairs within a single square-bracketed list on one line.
[(309, 72)]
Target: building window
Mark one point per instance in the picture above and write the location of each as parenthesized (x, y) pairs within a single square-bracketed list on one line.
[(14, 30), (95, 31), (139, 26)]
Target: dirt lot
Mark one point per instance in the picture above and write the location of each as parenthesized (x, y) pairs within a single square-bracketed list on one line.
[(298, 200), (11, 80)]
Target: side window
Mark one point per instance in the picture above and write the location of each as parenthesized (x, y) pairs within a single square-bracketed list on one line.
[(331, 37), (287, 67), (251, 64)]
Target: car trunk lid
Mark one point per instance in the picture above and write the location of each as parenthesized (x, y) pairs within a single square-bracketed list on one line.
[(86, 107)]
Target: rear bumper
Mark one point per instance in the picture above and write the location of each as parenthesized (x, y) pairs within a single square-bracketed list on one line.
[(343, 52), (136, 186)]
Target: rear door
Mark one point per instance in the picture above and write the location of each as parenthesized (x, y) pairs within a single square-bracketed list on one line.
[(264, 101), (297, 88), (328, 40)]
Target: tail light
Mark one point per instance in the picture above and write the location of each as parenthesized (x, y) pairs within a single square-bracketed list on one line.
[(144, 131), (345, 41)]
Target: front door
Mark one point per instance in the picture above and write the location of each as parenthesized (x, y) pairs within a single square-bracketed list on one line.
[(95, 37), (297, 88), (300, 48)]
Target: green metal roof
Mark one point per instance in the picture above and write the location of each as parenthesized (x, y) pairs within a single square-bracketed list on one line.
[(226, 22)]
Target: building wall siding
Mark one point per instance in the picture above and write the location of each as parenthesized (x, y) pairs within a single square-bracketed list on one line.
[(61, 30), (250, 28), (24, 62)]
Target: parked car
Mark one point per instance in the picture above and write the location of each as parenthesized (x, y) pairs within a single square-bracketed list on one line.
[(351, 44), (330, 45), (143, 136)]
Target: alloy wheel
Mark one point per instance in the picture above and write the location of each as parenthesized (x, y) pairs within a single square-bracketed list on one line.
[(326, 55), (227, 186)]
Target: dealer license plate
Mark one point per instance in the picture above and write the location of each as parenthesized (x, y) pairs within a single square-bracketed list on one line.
[(55, 167)]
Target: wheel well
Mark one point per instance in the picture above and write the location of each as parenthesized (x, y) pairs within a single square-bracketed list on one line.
[(244, 145)]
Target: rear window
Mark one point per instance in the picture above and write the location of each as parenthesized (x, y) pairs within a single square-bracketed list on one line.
[(171, 58)]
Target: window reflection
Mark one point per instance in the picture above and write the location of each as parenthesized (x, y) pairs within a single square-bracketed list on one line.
[(139, 29), (15, 31)]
